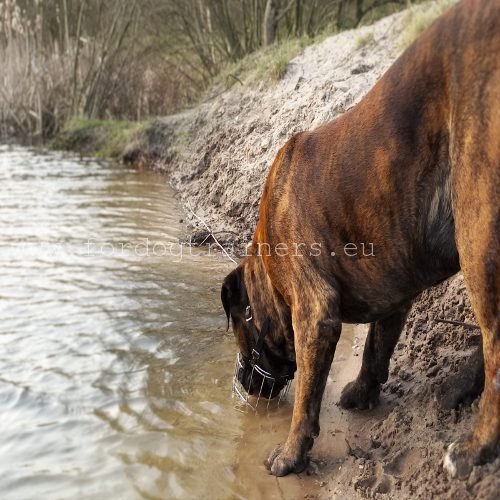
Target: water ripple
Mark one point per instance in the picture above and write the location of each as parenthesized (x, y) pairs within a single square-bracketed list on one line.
[(107, 384)]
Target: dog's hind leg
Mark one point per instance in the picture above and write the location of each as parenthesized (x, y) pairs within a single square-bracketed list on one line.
[(382, 337), (317, 327), (476, 206), (481, 267)]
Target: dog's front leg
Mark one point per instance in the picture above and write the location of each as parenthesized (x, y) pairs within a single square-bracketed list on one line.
[(316, 329)]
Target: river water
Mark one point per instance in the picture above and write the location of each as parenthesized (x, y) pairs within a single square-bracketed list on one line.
[(115, 366)]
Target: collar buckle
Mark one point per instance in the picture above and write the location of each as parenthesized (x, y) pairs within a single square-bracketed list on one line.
[(248, 314)]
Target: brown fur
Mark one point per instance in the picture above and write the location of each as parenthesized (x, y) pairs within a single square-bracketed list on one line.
[(414, 170)]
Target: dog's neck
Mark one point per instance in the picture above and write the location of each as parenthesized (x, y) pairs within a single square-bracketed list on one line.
[(266, 301)]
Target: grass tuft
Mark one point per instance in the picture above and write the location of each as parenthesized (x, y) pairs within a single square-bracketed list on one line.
[(268, 65), (417, 21), (364, 40), (100, 138)]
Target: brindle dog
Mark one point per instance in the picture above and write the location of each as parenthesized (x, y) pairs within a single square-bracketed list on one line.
[(412, 169)]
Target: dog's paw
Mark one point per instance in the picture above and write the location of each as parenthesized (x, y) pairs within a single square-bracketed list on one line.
[(458, 461), (359, 396), (280, 462), (463, 455)]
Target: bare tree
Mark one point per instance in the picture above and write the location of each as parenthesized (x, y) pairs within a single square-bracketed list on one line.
[(128, 59), (270, 23)]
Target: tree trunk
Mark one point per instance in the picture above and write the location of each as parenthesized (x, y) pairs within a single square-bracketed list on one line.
[(340, 14), (270, 23), (359, 11), (298, 17)]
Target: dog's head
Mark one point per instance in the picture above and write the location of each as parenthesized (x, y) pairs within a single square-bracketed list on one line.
[(254, 310)]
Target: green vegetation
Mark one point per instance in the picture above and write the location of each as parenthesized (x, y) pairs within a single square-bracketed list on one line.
[(100, 138), (267, 65), (417, 21), (364, 40)]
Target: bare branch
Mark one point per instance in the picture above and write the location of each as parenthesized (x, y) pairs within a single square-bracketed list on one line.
[(224, 251), (458, 323)]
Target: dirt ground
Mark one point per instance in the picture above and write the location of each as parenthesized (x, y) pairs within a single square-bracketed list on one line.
[(428, 402), (218, 155)]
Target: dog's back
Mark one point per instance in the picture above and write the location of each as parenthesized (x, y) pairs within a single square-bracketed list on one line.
[(393, 171)]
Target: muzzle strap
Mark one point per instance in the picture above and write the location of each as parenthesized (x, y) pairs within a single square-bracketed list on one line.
[(258, 336), (258, 352)]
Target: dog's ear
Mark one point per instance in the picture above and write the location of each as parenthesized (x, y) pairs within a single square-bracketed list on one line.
[(230, 293)]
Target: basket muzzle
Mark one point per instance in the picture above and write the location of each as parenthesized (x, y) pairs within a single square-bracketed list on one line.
[(251, 383), (254, 377)]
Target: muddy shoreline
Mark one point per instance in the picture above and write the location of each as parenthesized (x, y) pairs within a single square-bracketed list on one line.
[(217, 156)]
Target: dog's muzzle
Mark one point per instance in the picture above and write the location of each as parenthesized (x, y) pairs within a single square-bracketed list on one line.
[(250, 380), (259, 384)]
